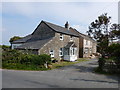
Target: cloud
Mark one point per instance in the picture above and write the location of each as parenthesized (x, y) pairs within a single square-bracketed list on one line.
[(78, 12)]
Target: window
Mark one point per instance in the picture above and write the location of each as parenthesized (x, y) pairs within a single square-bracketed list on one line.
[(86, 42), (71, 38), (73, 51), (61, 36), (86, 50), (52, 53), (90, 50), (61, 52)]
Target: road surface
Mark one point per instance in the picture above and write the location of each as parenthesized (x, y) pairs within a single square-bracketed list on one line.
[(80, 75)]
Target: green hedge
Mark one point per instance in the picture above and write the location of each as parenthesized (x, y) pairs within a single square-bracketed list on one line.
[(14, 59)]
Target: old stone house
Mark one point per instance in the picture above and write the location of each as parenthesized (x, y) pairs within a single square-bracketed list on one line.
[(58, 42)]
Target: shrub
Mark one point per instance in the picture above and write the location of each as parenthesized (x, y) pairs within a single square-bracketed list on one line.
[(45, 58), (101, 62), (11, 59)]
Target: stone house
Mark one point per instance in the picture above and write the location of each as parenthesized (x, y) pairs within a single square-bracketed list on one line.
[(58, 42)]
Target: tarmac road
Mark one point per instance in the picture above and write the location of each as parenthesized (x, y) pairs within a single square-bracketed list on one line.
[(79, 75)]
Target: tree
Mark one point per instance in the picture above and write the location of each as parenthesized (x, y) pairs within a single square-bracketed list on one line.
[(14, 38), (115, 31), (99, 31)]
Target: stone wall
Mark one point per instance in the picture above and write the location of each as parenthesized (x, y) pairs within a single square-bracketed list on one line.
[(55, 44)]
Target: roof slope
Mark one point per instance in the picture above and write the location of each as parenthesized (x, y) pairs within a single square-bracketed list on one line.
[(22, 40), (82, 35), (70, 44), (60, 29), (34, 45)]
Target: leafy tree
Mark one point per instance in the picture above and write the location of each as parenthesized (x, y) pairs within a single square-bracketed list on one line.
[(99, 31), (14, 38)]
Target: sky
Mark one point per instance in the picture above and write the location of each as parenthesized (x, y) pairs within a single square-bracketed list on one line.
[(21, 18)]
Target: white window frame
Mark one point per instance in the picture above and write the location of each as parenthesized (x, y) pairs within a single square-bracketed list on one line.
[(73, 51), (52, 53), (90, 50), (61, 52), (61, 36), (86, 50)]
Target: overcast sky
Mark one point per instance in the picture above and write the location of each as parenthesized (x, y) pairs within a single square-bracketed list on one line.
[(21, 18)]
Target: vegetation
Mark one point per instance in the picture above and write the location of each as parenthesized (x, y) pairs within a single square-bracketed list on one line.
[(5, 47), (17, 60), (111, 63), (14, 59), (104, 33), (99, 31), (14, 38)]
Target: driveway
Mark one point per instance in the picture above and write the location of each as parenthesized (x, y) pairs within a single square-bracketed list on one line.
[(80, 75)]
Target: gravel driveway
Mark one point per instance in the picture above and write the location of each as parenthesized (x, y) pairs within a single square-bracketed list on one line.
[(75, 76)]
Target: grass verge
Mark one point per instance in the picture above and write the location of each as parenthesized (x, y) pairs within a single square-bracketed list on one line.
[(17, 66), (66, 63)]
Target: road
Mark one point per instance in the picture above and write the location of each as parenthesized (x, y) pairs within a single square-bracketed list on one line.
[(80, 75)]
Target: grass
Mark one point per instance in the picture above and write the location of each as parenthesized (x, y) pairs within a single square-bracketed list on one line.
[(66, 63), (17, 66)]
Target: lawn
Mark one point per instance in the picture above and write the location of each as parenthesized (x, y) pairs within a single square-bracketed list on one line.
[(66, 63)]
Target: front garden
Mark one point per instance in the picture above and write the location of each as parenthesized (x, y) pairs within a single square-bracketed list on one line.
[(18, 60)]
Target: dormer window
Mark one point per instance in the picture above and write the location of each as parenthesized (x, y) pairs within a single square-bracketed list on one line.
[(71, 38), (61, 36)]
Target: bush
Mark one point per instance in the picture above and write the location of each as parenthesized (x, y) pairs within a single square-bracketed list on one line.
[(101, 62), (45, 58), (14, 58)]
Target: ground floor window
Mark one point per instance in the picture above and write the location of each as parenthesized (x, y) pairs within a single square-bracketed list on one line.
[(52, 53), (73, 51), (86, 50), (90, 50), (61, 52)]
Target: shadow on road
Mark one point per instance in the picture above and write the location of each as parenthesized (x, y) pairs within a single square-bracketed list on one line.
[(94, 81)]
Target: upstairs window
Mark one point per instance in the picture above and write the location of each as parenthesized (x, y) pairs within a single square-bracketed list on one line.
[(71, 38), (61, 36), (61, 52), (86, 42)]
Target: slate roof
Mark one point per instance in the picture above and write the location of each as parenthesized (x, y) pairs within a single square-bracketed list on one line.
[(24, 39), (60, 29), (33, 42), (34, 45), (70, 44), (82, 35)]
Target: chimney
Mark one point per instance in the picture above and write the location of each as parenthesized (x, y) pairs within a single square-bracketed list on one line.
[(67, 25)]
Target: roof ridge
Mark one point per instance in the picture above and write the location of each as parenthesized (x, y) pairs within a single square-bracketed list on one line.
[(53, 24)]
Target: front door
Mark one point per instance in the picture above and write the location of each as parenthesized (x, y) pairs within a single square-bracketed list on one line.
[(73, 53)]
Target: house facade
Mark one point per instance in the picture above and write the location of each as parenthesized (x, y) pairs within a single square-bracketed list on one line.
[(54, 40)]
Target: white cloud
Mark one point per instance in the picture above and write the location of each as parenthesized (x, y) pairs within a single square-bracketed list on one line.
[(82, 13)]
